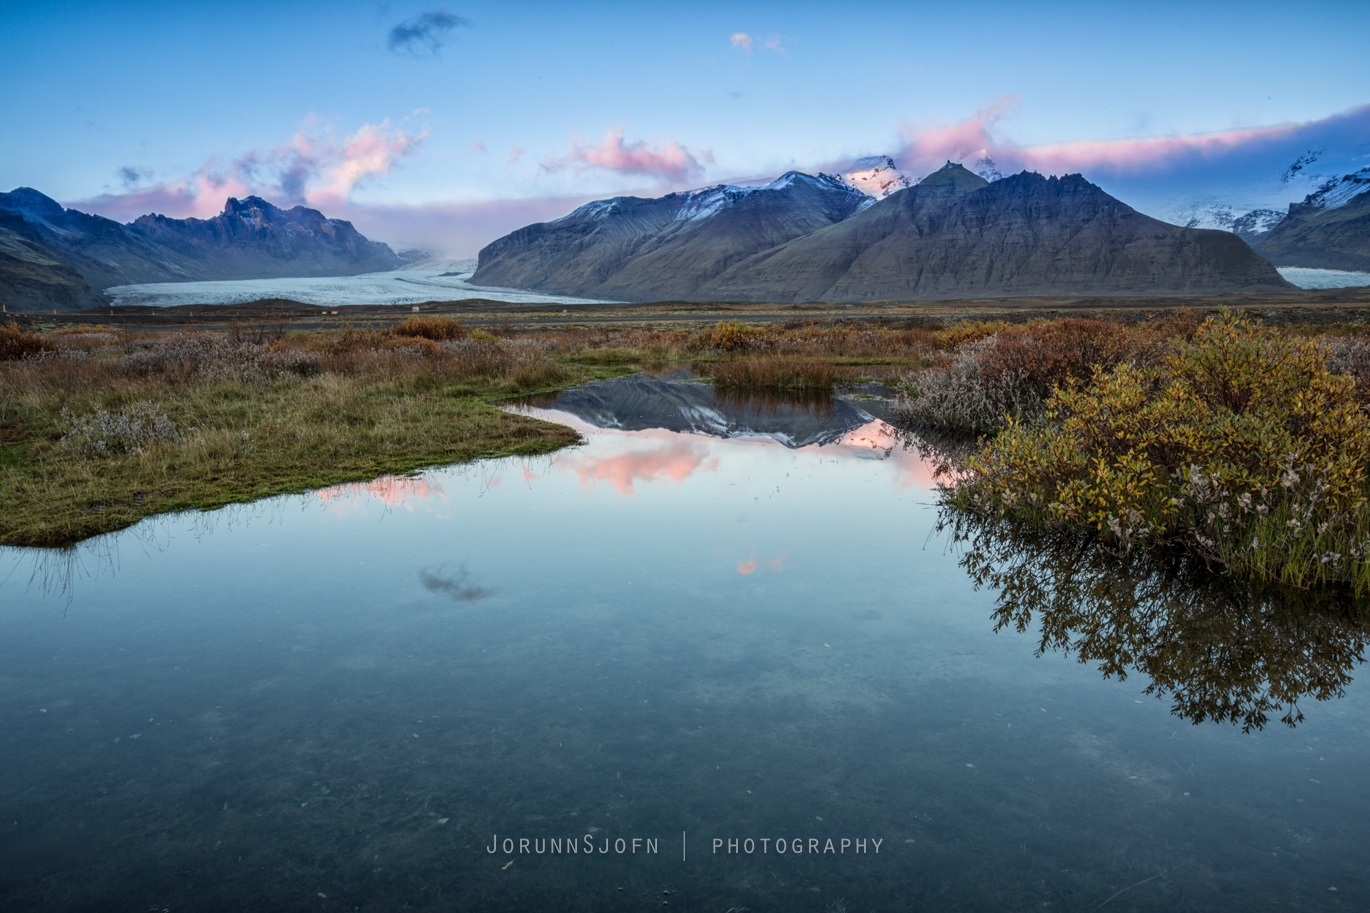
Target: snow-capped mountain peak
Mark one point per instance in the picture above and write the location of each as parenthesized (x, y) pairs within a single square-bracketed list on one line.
[(1337, 192), (876, 176)]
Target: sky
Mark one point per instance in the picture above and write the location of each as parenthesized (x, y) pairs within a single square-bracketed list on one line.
[(444, 126)]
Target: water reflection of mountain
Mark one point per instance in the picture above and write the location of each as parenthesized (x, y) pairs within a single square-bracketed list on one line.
[(1221, 650), (675, 403)]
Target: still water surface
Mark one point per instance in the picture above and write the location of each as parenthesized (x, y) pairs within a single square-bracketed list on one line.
[(716, 620)]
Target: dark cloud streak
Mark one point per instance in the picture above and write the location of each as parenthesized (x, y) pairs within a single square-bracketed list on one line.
[(132, 177), (425, 34)]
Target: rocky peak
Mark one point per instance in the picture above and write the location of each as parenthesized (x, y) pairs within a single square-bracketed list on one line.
[(27, 200)]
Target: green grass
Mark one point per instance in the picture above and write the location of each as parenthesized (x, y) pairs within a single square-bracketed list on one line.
[(245, 442)]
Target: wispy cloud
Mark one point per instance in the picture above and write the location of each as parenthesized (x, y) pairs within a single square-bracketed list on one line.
[(314, 168), (515, 153), (662, 159), (426, 34), (479, 146), (747, 43), (131, 177)]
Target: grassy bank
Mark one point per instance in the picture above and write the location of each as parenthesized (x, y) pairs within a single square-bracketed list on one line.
[(100, 429)]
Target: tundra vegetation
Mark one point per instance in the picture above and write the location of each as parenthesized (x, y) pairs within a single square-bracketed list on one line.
[(1240, 444)]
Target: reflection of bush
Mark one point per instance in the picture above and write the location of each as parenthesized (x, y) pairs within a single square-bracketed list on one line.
[(1222, 650), (1238, 445)]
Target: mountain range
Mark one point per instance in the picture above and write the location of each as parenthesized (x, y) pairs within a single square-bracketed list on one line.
[(954, 234), (56, 258)]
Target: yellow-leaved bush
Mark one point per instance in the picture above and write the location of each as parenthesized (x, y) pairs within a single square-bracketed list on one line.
[(1238, 444)]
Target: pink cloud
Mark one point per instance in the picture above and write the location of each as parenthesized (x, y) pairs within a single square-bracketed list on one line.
[(741, 40), (313, 168), (479, 146), (672, 462), (666, 159), (515, 152), (927, 147)]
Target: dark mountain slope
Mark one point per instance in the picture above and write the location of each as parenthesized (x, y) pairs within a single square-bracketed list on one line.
[(103, 251), (1022, 235), (34, 278), (812, 239), (1323, 238), (250, 239), (628, 248)]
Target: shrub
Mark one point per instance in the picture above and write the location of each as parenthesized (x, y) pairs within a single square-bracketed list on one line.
[(217, 356), (1240, 447), (1047, 355), (16, 343), (728, 335), (438, 329), (105, 433), (776, 372), (963, 397)]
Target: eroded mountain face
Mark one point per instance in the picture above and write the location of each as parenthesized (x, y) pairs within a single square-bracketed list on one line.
[(804, 238)]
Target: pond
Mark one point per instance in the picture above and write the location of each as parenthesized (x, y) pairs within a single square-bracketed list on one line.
[(718, 657)]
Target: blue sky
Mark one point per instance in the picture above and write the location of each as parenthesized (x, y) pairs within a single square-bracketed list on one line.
[(473, 118)]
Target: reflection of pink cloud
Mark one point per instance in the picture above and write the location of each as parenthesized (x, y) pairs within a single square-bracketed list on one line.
[(748, 566), (529, 477), (666, 159), (673, 462), (880, 438), (778, 563), (926, 147), (392, 491)]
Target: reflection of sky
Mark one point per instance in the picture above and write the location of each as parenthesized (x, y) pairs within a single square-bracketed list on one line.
[(774, 623), (392, 491)]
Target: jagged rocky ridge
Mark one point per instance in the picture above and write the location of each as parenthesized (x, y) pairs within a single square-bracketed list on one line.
[(952, 235), (250, 239)]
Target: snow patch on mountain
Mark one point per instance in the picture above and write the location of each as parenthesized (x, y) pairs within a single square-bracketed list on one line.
[(595, 210), (986, 169), (876, 176), (1337, 192)]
